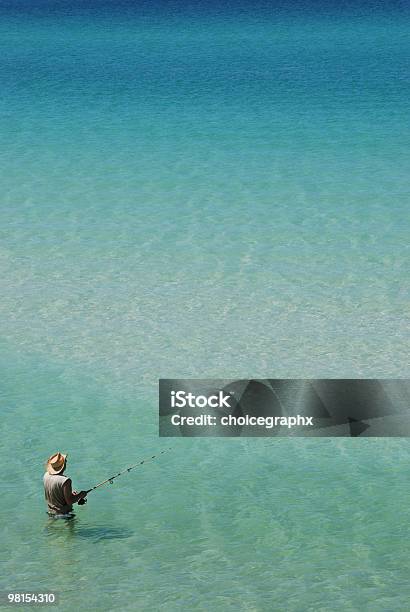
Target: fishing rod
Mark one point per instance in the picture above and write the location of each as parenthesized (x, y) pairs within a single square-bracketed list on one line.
[(83, 501)]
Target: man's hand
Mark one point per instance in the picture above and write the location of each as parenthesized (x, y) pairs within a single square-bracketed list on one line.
[(72, 497)]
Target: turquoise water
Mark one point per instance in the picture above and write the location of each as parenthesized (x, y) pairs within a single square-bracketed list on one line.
[(205, 193)]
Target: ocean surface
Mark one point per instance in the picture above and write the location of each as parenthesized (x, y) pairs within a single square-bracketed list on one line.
[(193, 190)]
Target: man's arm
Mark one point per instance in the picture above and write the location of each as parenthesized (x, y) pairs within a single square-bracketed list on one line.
[(70, 496)]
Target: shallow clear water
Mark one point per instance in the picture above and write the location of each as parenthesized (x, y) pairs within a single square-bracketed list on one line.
[(205, 193)]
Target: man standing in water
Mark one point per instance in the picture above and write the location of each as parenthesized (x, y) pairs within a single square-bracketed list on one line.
[(57, 488)]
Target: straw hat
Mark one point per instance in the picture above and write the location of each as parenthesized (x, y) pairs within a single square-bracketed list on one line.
[(56, 463)]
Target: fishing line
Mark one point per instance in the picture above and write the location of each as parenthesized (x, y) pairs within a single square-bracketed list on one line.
[(110, 480)]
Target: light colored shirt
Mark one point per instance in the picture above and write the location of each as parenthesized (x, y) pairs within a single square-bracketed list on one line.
[(54, 494)]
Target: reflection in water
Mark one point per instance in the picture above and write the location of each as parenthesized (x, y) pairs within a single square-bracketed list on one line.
[(60, 528), (103, 533)]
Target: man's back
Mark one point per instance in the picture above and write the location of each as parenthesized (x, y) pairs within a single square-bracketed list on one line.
[(54, 493)]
